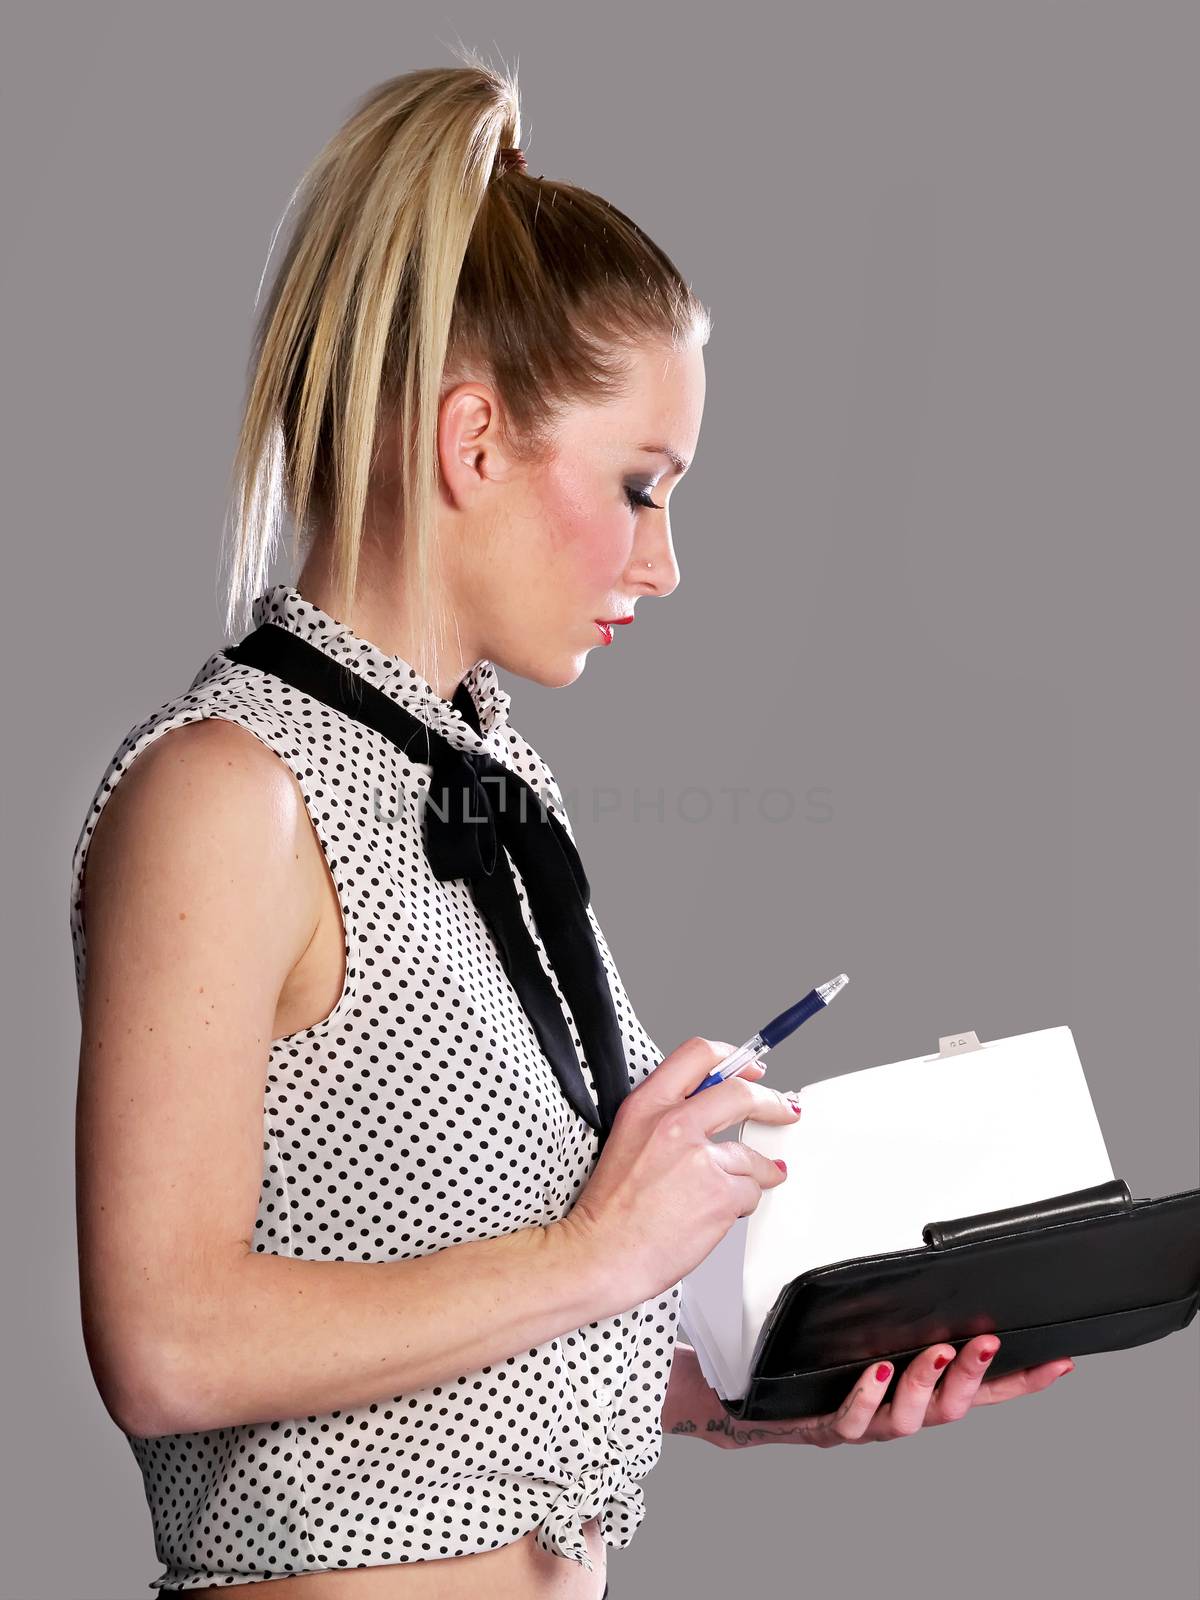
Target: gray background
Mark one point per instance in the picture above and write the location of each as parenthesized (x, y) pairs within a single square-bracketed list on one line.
[(939, 580)]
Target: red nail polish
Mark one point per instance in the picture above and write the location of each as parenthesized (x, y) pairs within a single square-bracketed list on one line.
[(942, 1361), (782, 1165), (796, 1108), (883, 1372), (986, 1355)]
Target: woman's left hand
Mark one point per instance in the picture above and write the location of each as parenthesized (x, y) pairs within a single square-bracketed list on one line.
[(926, 1395)]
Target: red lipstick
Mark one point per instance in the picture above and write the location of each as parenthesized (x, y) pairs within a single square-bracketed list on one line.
[(606, 625)]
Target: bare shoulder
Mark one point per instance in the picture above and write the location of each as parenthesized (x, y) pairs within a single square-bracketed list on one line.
[(203, 859), (197, 763), (208, 794)]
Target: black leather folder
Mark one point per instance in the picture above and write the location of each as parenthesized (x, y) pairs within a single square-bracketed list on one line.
[(1067, 1276)]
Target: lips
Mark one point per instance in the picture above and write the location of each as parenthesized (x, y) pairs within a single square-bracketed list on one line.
[(607, 624)]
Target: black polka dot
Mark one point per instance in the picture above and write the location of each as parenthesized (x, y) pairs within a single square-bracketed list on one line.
[(419, 1113)]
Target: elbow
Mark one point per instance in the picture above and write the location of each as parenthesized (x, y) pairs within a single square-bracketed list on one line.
[(155, 1361), (146, 1393), (136, 1416), (153, 1406)]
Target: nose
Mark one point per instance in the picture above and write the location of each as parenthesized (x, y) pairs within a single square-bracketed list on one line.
[(661, 576)]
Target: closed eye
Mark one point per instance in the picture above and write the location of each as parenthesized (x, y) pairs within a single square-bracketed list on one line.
[(641, 497)]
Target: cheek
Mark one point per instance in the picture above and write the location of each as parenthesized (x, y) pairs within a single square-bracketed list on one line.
[(602, 552), (592, 546)]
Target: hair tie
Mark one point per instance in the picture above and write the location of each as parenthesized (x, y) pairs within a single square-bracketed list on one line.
[(507, 156)]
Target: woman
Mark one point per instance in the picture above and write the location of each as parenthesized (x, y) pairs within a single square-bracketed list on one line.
[(381, 1286)]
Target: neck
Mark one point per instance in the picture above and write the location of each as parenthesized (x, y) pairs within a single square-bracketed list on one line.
[(383, 616)]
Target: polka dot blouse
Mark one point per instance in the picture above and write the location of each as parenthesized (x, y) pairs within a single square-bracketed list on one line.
[(419, 1113)]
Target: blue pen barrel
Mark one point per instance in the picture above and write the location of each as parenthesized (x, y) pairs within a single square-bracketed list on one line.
[(713, 1077), (779, 1027)]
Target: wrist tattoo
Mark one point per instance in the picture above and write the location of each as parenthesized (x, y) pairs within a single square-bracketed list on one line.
[(726, 1431)]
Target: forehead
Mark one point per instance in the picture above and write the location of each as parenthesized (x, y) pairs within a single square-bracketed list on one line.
[(662, 405)]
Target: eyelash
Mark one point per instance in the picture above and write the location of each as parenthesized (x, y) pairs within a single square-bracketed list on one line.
[(641, 497)]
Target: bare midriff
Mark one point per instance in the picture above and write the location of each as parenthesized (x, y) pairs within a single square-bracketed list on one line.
[(517, 1571)]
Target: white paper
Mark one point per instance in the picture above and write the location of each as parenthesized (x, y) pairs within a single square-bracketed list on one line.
[(711, 1307), (877, 1154)]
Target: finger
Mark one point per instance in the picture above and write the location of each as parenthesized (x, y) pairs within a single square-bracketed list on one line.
[(740, 1161), (738, 1100), (960, 1380), (679, 1075), (910, 1402), (1025, 1380), (857, 1411), (741, 1098), (684, 1069)]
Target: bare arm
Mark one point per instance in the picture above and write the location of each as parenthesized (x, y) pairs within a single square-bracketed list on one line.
[(692, 1407), (196, 913)]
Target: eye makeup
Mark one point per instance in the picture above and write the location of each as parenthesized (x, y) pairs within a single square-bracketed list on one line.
[(639, 495)]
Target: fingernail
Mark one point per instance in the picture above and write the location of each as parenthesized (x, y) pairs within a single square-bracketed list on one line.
[(883, 1373), (986, 1355), (782, 1165), (795, 1105), (942, 1361)]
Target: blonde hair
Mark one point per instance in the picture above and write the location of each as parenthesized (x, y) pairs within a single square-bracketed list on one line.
[(414, 262)]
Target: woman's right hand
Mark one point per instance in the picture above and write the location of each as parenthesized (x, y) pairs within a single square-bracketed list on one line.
[(663, 1193)]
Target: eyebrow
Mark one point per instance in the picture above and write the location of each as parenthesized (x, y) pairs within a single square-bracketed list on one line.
[(672, 456)]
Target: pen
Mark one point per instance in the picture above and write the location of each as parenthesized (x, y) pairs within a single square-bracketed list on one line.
[(778, 1028)]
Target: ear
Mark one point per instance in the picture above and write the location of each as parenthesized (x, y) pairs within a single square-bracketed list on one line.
[(471, 454)]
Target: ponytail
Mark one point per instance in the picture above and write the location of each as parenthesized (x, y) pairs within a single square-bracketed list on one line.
[(418, 258)]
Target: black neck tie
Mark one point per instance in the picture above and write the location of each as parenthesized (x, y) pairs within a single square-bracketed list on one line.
[(476, 810)]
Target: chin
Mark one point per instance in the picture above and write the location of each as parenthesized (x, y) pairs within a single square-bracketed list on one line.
[(564, 674), (552, 672)]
